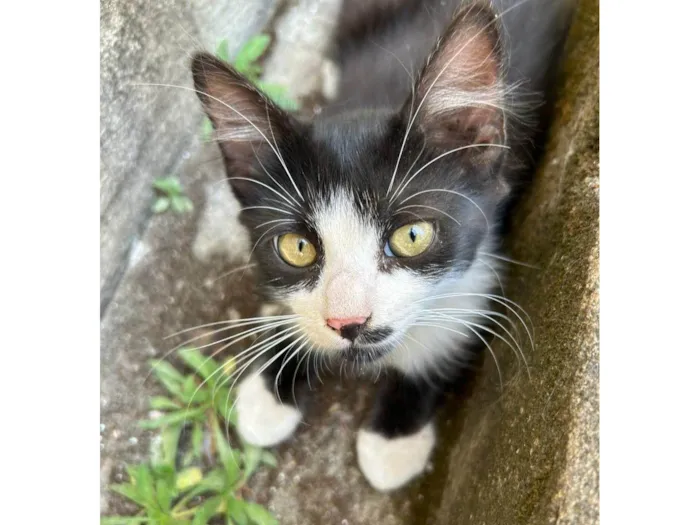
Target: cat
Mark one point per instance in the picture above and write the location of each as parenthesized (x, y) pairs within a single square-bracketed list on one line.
[(377, 225)]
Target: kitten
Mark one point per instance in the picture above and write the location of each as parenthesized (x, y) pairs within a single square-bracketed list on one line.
[(375, 226)]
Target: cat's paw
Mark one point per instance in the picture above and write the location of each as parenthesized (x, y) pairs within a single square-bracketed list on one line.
[(390, 463), (262, 419)]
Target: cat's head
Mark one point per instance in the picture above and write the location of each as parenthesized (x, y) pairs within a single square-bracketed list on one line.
[(357, 220)]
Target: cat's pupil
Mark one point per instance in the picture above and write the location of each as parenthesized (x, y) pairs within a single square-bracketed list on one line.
[(300, 245), (413, 234)]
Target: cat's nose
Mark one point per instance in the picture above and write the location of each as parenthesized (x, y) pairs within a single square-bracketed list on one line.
[(349, 327)]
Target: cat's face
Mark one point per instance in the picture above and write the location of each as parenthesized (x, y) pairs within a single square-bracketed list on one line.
[(358, 221)]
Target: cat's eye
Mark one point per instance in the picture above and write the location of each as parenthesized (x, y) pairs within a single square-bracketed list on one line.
[(410, 240), (295, 249)]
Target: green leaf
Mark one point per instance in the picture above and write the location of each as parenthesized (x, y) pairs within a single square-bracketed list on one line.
[(129, 491), (225, 408), (252, 50), (168, 185), (236, 511), (259, 514), (163, 403), (251, 458), (207, 130), (165, 369), (268, 458), (189, 385), (226, 455), (222, 50), (170, 378), (214, 481), (278, 94), (181, 204), (160, 205), (164, 494), (170, 437), (181, 416), (206, 511), (143, 481), (197, 440), (205, 367), (123, 520)]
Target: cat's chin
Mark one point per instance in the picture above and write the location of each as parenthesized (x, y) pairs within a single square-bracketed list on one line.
[(364, 354)]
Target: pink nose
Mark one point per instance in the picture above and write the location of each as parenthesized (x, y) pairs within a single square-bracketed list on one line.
[(338, 324)]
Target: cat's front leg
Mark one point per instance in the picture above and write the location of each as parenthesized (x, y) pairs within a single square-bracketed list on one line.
[(396, 444), (268, 400)]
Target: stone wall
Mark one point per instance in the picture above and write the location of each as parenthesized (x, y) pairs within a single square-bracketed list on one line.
[(144, 131), (528, 453)]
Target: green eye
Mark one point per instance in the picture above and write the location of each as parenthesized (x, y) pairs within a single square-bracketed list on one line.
[(296, 250), (410, 240)]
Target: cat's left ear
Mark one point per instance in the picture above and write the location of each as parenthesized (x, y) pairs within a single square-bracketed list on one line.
[(460, 91), (248, 126)]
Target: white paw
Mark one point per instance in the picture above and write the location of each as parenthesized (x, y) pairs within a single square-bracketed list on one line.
[(390, 463), (262, 419)]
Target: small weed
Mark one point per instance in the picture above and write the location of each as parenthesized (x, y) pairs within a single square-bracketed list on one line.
[(174, 491), (246, 62), (171, 196)]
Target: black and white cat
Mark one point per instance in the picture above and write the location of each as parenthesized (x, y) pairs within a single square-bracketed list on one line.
[(375, 226)]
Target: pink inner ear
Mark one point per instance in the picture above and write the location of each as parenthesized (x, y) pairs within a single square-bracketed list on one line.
[(463, 95)]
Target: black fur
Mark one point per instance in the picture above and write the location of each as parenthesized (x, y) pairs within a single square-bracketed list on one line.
[(356, 140)]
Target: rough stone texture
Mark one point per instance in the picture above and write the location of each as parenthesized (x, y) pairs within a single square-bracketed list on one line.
[(526, 454), (302, 33), (144, 130)]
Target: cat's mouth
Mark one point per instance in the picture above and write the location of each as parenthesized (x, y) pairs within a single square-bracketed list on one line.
[(370, 346)]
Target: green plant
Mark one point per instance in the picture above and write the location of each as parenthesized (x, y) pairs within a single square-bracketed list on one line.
[(171, 196), (178, 492), (246, 62)]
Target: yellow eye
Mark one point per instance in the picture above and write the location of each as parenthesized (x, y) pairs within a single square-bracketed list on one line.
[(411, 240), (296, 250)]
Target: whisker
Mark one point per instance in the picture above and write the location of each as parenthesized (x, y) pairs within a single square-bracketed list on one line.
[(400, 189), (238, 357), (498, 299), (240, 268), (498, 368), (241, 115), (260, 183), (495, 273), (273, 221), (266, 208), (284, 363), (519, 263), (442, 190), (515, 348), (230, 326), (430, 208), (232, 322), (268, 340)]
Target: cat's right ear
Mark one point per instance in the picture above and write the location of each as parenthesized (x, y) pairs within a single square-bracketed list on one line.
[(460, 94), (247, 125)]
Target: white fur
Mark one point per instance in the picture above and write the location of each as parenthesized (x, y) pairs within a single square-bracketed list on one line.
[(390, 463), (351, 285), (262, 419), (430, 348)]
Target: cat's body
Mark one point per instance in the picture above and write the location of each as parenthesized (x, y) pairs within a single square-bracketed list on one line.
[(376, 226)]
